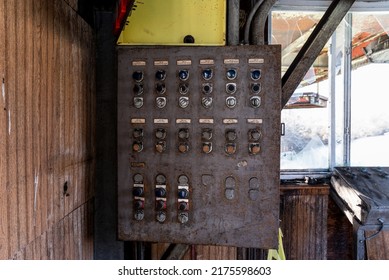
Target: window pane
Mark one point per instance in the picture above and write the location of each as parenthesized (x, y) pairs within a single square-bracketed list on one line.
[(369, 90), (305, 143)]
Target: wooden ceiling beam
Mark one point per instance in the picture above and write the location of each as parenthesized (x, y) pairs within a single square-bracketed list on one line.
[(313, 46)]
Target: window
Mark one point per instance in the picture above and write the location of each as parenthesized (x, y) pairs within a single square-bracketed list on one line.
[(370, 90), (353, 127)]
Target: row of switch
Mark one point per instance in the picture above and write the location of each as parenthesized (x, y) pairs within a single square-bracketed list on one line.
[(160, 196), (206, 88), (206, 102), (206, 74), (254, 136)]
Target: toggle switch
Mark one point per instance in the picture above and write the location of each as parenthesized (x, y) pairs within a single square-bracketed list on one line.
[(183, 74), (255, 74), (231, 74), (207, 147), (137, 146), (160, 133), (160, 147), (137, 133), (255, 101), (207, 88), (231, 88), (161, 102), (256, 88), (230, 148), (138, 102), (206, 134), (160, 205), (231, 102), (183, 147), (182, 206), (183, 88), (207, 74), (183, 133), (139, 205), (231, 135), (137, 191), (139, 215), (254, 148), (160, 88), (183, 193), (206, 102), (138, 89), (254, 134), (160, 75), (183, 102), (161, 216), (160, 179), (137, 76)]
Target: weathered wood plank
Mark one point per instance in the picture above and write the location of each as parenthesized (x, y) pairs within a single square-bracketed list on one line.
[(378, 247), (20, 122), (36, 122), (11, 78), (303, 216), (3, 140), (31, 183)]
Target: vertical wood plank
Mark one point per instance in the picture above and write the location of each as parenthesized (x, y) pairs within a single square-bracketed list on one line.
[(20, 121), (43, 114), (50, 118), (13, 230), (36, 122), (3, 140), (31, 181)]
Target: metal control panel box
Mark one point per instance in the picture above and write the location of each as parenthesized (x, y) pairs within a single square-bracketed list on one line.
[(198, 144)]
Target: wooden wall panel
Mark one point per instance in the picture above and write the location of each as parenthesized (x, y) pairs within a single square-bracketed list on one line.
[(46, 131), (303, 218)]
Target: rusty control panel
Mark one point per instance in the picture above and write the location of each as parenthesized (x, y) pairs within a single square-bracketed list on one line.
[(198, 144)]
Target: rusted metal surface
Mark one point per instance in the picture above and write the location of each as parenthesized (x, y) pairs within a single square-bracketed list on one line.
[(224, 207)]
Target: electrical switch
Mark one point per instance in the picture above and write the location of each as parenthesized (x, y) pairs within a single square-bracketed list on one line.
[(183, 74), (256, 88), (230, 148), (206, 134), (138, 89), (183, 133), (207, 74), (160, 88), (137, 76), (207, 147), (183, 102), (206, 102), (161, 102), (160, 147), (183, 88), (207, 88), (138, 102), (231, 88), (254, 134), (254, 148), (255, 74), (255, 101), (231, 135), (231, 102), (137, 146), (160, 75), (231, 74)]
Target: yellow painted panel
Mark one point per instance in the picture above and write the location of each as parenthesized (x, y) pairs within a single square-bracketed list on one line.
[(167, 22)]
